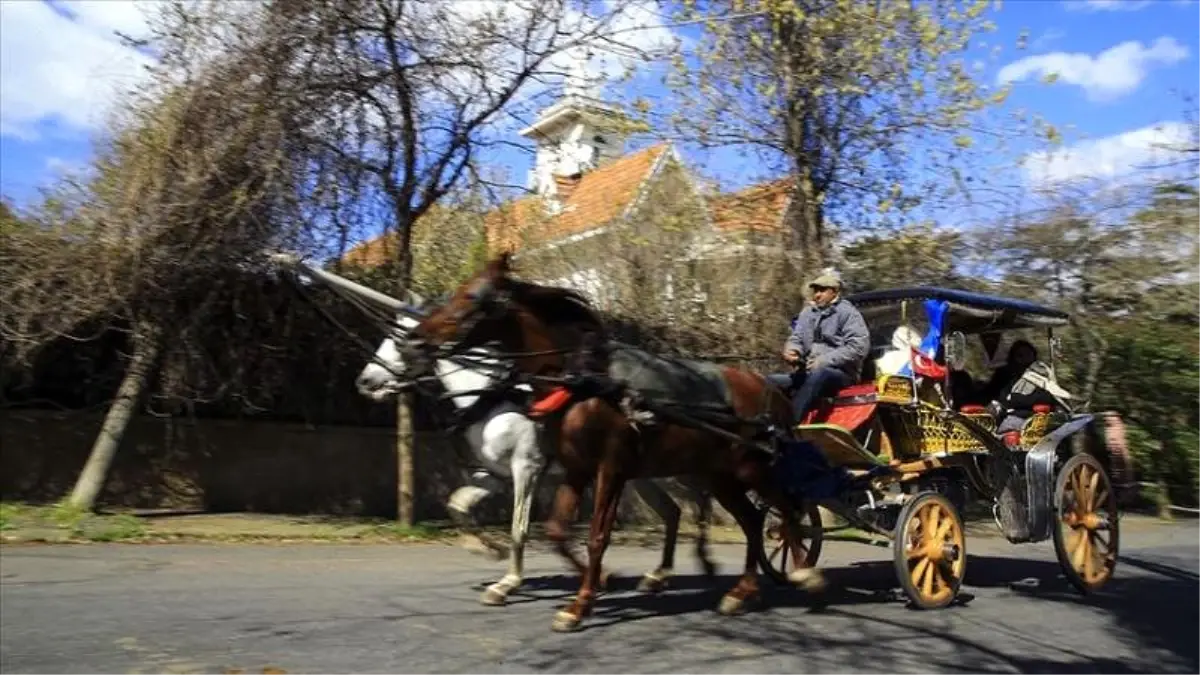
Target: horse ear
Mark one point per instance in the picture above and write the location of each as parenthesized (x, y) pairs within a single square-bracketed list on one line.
[(502, 264)]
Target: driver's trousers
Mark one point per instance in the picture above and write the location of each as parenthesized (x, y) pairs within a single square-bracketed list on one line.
[(805, 388)]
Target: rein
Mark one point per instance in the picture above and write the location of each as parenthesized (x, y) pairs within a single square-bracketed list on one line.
[(387, 324)]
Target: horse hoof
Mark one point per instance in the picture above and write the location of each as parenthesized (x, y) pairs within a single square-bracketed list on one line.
[(565, 622), (651, 584), (606, 579), (493, 597), (808, 579), (731, 605)]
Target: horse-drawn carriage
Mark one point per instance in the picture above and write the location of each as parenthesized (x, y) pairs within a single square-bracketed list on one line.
[(899, 456)]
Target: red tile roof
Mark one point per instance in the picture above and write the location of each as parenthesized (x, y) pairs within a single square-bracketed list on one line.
[(594, 199), (759, 208)]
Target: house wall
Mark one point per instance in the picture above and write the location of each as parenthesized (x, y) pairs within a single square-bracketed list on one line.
[(623, 265)]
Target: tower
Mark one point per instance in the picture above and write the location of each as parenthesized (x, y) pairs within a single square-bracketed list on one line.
[(576, 134)]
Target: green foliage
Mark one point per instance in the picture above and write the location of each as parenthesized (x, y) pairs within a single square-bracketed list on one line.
[(867, 105), (914, 256), (1124, 264), (63, 522), (1151, 374)]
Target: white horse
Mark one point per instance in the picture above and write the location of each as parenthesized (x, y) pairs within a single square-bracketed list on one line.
[(509, 445)]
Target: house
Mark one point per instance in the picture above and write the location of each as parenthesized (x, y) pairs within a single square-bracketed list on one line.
[(615, 223)]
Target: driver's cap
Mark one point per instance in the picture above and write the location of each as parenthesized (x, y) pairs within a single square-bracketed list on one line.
[(826, 281)]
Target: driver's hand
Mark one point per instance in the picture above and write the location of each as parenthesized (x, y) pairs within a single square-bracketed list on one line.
[(791, 356)]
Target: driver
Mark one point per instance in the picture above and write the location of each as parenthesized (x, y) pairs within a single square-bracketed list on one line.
[(827, 347)]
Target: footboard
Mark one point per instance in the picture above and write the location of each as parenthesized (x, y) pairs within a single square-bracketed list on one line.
[(838, 446)]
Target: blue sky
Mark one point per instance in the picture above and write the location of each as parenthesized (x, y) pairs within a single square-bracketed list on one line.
[(1118, 63)]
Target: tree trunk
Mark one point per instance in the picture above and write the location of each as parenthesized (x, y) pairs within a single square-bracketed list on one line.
[(405, 465), (404, 460), (147, 345)]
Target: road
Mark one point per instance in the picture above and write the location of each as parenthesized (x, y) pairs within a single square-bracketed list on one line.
[(413, 608)]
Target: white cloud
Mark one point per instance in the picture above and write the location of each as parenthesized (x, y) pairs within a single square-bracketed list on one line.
[(54, 69), (1047, 38), (1107, 5), (1106, 158), (606, 44), (1112, 73)]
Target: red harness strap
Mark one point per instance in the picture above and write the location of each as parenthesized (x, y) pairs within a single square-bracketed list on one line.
[(549, 403)]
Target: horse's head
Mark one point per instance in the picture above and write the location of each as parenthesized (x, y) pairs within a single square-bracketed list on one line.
[(522, 317), (468, 317), (388, 371)]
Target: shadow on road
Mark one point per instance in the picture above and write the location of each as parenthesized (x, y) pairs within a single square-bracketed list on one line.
[(1156, 611)]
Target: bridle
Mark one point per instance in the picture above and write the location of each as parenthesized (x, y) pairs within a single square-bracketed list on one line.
[(486, 302)]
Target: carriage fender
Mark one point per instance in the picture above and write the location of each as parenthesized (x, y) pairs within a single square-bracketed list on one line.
[(1039, 475)]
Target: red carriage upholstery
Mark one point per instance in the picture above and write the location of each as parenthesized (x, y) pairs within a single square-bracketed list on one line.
[(849, 408)]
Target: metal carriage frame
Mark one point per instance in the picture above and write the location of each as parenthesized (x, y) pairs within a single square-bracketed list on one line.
[(897, 458)]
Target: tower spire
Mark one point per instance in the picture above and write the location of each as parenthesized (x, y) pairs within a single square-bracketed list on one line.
[(580, 82)]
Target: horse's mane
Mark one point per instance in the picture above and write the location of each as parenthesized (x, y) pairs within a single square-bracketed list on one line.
[(555, 305)]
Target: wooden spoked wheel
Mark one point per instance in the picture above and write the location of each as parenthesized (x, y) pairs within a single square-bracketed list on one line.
[(1086, 535), (930, 551), (776, 558)]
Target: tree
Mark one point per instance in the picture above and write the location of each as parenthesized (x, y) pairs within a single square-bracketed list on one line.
[(1122, 261), (274, 125), (197, 178), (1150, 375), (410, 94), (914, 256), (867, 106), (1102, 253)]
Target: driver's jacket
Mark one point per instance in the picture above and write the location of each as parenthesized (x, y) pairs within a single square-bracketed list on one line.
[(836, 335)]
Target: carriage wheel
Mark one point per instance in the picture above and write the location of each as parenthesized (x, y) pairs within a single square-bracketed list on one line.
[(930, 551), (775, 558), (1086, 535)]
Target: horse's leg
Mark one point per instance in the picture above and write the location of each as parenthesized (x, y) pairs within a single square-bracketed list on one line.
[(609, 485), (657, 499), (803, 575), (528, 465), (558, 526), (703, 501), (732, 495), (461, 509)]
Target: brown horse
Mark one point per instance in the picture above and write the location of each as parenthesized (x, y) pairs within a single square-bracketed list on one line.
[(553, 332)]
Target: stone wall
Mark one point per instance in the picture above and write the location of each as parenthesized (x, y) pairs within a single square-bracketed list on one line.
[(254, 466)]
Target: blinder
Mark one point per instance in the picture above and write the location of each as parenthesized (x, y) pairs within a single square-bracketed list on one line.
[(485, 302)]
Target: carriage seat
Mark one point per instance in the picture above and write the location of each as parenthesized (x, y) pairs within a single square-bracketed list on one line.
[(849, 408)]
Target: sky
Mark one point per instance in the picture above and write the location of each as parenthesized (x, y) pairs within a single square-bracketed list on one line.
[(1122, 67)]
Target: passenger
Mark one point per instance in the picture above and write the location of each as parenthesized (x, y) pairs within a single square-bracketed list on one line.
[(827, 347), (904, 340), (1021, 355)]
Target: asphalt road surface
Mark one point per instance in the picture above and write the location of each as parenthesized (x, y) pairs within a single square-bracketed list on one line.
[(413, 608)]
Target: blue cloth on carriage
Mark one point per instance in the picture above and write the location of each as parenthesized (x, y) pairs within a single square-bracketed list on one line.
[(803, 472)]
